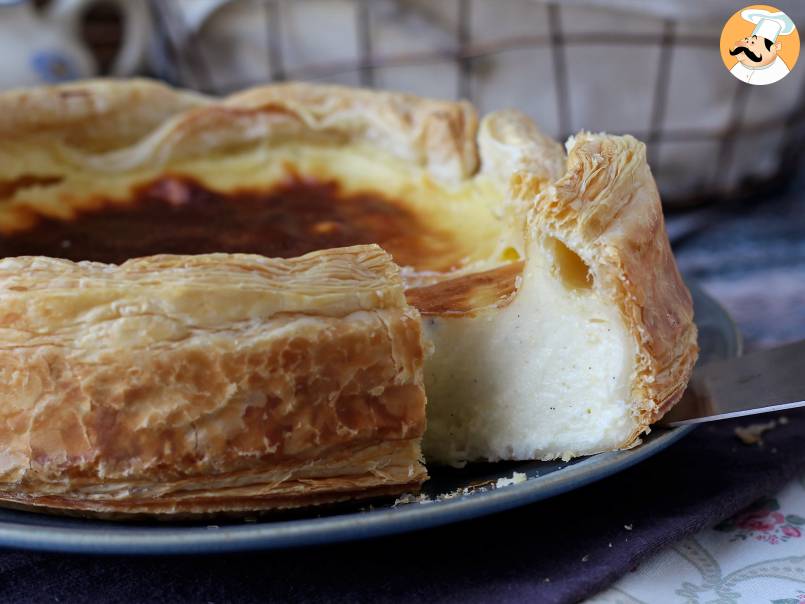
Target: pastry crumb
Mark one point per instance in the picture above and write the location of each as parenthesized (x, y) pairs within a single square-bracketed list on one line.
[(450, 495), (481, 487), (585, 557), (516, 478), (628, 527), (783, 420), (753, 433), (411, 498)]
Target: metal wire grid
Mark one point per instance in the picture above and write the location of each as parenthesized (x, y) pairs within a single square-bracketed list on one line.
[(187, 63)]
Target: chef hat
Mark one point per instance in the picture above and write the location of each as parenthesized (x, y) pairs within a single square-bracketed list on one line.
[(768, 25)]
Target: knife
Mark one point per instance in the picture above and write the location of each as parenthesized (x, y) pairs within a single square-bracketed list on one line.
[(761, 382)]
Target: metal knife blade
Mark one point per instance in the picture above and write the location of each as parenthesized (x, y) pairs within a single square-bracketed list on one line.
[(769, 380)]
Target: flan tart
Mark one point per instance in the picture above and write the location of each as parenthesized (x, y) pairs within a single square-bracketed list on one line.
[(197, 315)]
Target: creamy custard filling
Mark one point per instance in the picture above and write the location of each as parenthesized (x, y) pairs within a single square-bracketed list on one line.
[(546, 376)]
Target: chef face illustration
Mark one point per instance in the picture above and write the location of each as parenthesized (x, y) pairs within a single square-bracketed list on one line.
[(757, 54), (755, 51)]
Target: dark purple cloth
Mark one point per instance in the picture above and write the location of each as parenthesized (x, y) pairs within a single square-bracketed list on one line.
[(553, 551)]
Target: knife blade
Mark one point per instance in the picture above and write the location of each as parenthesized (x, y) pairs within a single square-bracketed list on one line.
[(761, 382)]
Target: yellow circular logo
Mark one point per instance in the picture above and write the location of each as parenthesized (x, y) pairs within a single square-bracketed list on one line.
[(759, 44)]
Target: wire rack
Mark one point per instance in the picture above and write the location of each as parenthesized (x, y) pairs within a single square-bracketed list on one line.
[(715, 175)]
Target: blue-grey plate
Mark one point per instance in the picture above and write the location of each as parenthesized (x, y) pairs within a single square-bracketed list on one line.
[(718, 338)]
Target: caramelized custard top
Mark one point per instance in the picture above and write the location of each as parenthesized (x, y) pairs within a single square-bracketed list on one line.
[(181, 216)]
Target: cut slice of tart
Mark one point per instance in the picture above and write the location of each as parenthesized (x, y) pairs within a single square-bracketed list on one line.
[(559, 322), (191, 385)]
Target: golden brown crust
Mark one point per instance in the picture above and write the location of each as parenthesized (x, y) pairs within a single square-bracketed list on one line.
[(438, 135), (198, 384), (466, 295), (606, 208), (137, 124), (247, 505), (93, 115)]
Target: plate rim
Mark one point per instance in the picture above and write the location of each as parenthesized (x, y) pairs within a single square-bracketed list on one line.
[(155, 540)]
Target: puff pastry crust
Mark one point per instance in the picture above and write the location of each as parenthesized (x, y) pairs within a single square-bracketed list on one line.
[(547, 286), (210, 383)]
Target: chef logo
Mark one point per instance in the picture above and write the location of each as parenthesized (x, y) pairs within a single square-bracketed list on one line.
[(759, 44)]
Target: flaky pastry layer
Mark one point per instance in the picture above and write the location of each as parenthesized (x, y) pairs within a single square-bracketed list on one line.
[(200, 384)]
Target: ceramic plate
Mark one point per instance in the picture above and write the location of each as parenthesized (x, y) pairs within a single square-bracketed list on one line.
[(450, 495)]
